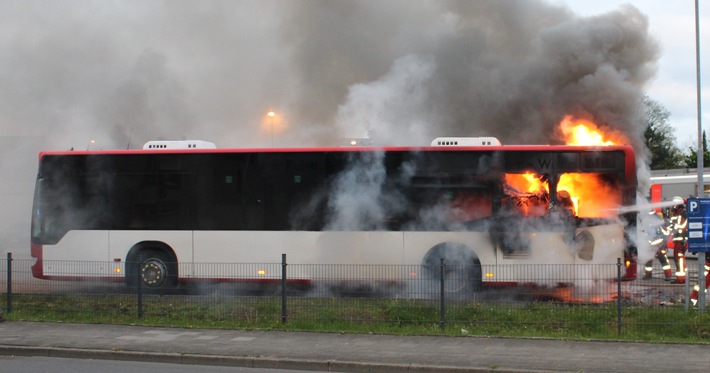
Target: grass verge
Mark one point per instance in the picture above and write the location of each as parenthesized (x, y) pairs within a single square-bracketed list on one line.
[(382, 316)]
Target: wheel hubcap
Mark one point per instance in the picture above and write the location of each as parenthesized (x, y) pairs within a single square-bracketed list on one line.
[(153, 273)]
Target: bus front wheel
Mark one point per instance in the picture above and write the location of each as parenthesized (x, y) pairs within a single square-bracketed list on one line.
[(154, 270)]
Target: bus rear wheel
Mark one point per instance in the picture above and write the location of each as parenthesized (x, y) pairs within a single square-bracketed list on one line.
[(462, 268)]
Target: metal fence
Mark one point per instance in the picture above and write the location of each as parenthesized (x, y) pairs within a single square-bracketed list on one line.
[(564, 300)]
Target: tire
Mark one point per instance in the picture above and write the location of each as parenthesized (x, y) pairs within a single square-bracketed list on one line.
[(156, 270), (462, 268)]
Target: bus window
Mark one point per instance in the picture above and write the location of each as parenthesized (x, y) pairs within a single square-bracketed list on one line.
[(526, 194), (471, 204)]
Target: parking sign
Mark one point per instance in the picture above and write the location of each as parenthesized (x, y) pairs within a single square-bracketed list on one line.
[(698, 224)]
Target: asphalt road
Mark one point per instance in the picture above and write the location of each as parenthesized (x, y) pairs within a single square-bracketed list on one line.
[(36, 364), (343, 352)]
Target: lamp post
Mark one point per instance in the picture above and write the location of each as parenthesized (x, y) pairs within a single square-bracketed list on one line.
[(90, 143), (701, 155), (271, 116)]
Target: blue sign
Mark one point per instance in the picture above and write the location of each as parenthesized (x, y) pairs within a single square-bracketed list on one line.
[(698, 224)]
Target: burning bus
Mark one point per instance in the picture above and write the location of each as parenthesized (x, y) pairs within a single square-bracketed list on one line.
[(157, 217)]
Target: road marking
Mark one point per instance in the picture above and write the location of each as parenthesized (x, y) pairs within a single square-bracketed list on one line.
[(243, 339), (163, 336)]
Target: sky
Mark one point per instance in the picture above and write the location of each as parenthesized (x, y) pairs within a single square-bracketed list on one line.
[(88, 75)]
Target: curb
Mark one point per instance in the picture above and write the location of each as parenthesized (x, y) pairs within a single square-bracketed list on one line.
[(240, 361)]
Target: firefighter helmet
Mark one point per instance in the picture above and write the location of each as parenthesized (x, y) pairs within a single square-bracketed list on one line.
[(679, 203)]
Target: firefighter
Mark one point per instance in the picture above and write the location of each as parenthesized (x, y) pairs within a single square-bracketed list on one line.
[(696, 289), (679, 224), (658, 241)]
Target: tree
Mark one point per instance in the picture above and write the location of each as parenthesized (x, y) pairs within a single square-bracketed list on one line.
[(691, 160), (659, 137)]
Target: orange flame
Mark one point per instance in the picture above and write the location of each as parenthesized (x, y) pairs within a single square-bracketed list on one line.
[(533, 204), (527, 182), (584, 132), (569, 294), (589, 194), (592, 197)]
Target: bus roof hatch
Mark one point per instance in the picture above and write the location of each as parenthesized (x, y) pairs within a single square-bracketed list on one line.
[(181, 144), (466, 141)]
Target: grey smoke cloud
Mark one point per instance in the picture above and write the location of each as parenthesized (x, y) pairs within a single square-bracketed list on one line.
[(180, 69), (123, 73), (512, 70)]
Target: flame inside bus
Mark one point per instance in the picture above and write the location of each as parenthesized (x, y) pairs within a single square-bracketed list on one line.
[(590, 195)]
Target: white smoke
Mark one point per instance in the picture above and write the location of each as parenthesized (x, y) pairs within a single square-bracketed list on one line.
[(380, 109), (357, 197)]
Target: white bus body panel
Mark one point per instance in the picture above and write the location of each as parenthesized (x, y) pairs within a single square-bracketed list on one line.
[(224, 254), (73, 246), (301, 247), (179, 241), (303, 250), (70, 257)]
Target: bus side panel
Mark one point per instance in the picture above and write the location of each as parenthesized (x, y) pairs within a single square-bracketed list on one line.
[(179, 241), (77, 246), (550, 260), (417, 244), (307, 253), (610, 244), (544, 259), (301, 247), (371, 248), (251, 246)]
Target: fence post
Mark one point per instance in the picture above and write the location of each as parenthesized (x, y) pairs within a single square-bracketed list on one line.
[(9, 282), (442, 308), (701, 281), (283, 288), (139, 288), (618, 296)]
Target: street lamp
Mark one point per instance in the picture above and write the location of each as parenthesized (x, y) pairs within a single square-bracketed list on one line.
[(90, 143), (271, 115)]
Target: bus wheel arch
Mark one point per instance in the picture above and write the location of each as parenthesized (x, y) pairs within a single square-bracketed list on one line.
[(155, 263), (462, 267)]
